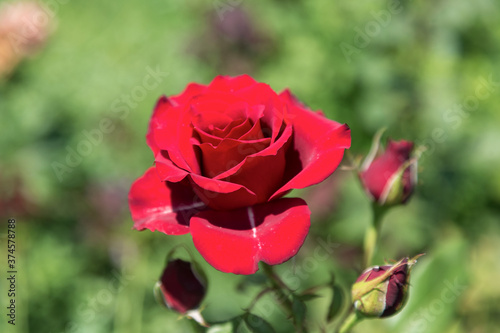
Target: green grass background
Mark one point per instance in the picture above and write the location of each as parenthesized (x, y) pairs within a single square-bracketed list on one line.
[(74, 235)]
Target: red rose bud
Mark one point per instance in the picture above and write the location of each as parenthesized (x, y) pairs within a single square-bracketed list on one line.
[(382, 291), (181, 286), (390, 178)]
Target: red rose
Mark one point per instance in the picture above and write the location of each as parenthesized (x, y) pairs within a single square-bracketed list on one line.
[(391, 177), (225, 154)]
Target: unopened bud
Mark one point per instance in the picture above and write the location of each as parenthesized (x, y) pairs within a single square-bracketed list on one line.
[(181, 286), (382, 291), (390, 176)]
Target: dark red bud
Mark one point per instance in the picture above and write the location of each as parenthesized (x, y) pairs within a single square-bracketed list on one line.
[(381, 291), (181, 286)]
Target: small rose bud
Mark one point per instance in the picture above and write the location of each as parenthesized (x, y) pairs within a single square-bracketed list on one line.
[(181, 286), (390, 178), (382, 291)]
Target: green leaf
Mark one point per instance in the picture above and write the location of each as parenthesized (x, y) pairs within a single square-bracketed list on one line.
[(336, 304), (256, 324), (299, 311)]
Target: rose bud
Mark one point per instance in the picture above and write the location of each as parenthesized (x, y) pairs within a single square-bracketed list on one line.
[(382, 291), (182, 286), (390, 178)]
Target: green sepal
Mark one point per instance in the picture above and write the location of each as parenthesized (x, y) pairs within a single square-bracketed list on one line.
[(160, 299)]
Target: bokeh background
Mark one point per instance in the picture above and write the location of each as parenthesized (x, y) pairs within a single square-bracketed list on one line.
[(75, 100)]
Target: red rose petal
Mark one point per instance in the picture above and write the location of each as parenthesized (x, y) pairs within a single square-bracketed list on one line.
[(220, 119), (168, 171), (207, 137), (221, 195), (162, 206), (163, 112), (227, 83), (250, 128), (261, 94), (237, 111), (237, 126), (256, 178), (228, 154), (210, 121), (235, 241), (234, 130), (192, 90), (242, 129), (255, 112), (218, 101), (237, 130), (261, 181), (162, 106), (174, 136), (237, 187), (253, 133), (318, 146)]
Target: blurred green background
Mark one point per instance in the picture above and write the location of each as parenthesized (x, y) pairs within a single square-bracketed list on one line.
[(428, 71)]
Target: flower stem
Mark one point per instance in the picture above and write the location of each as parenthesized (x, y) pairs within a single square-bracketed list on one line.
[(352, 319), (371, 235), (282, 297), (256, 299), (277, 285)]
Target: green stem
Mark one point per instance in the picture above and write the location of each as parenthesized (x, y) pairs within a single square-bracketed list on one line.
[(277, 285), (371, 235), (352, 319), (256, 299), (282, 297)]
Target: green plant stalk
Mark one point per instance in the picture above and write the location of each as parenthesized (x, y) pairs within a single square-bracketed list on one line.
[(277, 285), (352, 319), (283, 298), (371, 235), (370, 244)]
